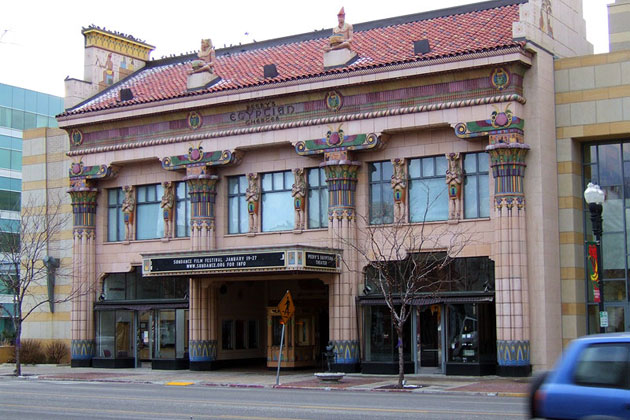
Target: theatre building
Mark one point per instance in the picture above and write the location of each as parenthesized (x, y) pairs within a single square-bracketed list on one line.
[(205, 186)]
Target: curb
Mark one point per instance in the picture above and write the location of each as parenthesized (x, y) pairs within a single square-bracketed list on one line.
[(422, 390)]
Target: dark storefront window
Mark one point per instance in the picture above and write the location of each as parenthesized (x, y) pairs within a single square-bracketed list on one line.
[(240, 334), (382, 340), (114, 334), (463, 292), (470, 274), (132, 286)]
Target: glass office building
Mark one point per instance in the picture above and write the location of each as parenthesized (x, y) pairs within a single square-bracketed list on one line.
[(20, 110)]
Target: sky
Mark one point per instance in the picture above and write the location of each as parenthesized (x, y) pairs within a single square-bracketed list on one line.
[(41, 42)]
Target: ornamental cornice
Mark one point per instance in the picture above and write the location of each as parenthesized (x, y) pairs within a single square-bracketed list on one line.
[(304, 123)]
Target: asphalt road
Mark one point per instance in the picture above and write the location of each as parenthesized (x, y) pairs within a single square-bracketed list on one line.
[(33, 399)]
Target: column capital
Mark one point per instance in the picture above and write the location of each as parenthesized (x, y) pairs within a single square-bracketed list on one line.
[(196, 157), (502, 126), (337, 140)]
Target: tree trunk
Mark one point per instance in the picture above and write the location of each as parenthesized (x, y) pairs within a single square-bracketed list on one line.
[(18, 334), (401, 357)]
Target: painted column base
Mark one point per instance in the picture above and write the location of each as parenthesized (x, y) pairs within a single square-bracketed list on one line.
[(346, 356), (80, 363), (202, 366), (202, 354), (81, 352), (513, 358)]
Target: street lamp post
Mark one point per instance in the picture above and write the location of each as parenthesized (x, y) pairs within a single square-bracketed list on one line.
[(595, 197)]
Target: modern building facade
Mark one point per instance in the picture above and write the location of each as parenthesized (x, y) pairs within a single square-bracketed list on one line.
[(203, 187), (20, 110), (593, 134)]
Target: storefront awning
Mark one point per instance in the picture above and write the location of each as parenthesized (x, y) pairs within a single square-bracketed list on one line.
[(428, 300), (245, 260), (140, 306)]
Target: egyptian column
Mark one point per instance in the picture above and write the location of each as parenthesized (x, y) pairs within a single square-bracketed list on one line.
[(507, 151), (201, 183), (83, 194), (341, 177)]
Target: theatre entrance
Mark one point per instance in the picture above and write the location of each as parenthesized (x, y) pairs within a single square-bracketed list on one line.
[(250, 326)]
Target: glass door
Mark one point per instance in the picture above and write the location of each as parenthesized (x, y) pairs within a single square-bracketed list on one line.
[(144, 337), (617, 318), (428, 336), (165, 340)]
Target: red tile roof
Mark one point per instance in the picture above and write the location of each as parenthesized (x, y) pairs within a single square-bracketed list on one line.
[(452, 35)]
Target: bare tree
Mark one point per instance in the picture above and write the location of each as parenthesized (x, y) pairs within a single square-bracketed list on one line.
[(28, 264), (404, 261)]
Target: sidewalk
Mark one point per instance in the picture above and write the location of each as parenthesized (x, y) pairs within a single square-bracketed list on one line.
[(262, 378)]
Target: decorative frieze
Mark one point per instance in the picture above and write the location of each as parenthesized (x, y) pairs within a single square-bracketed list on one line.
[(476, 88)]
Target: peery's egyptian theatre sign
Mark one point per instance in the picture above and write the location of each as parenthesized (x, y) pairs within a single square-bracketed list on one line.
[(243, 260)]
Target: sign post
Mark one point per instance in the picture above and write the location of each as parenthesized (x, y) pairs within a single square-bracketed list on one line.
[(286, 309)]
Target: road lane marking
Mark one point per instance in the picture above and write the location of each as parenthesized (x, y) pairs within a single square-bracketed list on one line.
[(153, 414), (242, 404)]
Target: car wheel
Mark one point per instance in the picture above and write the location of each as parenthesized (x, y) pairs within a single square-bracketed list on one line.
[(535, 384)]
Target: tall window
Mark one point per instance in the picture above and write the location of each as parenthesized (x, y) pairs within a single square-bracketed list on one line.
[(277, 203), (428, 196), (149, 220), (476, 193), (182, 214), (115, 224), (317, 199), (609, 166), (237, 206), (381, 195)]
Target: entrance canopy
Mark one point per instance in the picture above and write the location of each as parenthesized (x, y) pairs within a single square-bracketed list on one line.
[(243, 260)]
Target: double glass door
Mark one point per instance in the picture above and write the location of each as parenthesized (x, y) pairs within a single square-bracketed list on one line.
[(161, 334)]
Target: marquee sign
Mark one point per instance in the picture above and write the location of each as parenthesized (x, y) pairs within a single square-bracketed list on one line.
[(274, 259)]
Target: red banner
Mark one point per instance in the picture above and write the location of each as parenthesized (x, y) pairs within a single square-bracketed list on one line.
[(593, 270)]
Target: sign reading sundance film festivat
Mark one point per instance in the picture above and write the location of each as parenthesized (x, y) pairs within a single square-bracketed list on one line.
[(241, 261)]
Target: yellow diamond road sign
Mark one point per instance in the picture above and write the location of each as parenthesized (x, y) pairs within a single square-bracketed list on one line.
[(286, 307)]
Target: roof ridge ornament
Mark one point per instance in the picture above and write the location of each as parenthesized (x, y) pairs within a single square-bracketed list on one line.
[(338, 52), (202, 73)]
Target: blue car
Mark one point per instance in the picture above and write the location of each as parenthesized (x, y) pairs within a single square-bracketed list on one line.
[(590, 381)]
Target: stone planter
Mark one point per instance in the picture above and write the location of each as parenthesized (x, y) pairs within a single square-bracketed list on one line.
[(330, 376)]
